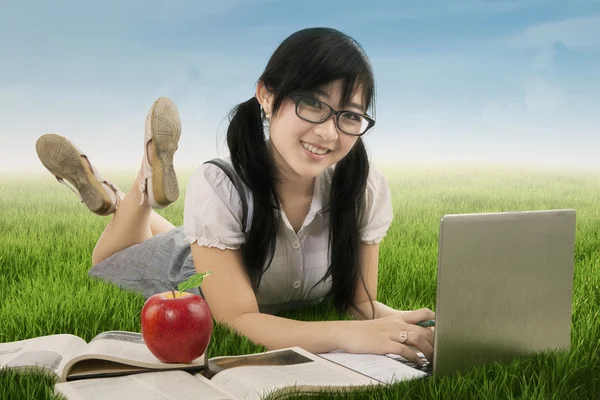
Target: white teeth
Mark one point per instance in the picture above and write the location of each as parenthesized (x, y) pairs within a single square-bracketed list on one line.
[(313, 149)]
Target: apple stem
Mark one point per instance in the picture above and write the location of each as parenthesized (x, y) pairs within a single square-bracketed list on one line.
[(172, 291)]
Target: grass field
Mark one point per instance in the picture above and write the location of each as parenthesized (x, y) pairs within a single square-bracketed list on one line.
[(47, 237)]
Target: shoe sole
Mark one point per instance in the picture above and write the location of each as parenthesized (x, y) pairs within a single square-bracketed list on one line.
[(65, 161), (165, 128)]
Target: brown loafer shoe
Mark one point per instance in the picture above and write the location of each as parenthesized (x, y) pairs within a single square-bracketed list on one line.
[(159, 186), (67, 163)]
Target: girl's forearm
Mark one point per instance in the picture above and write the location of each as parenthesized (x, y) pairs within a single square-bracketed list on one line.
[(365, 311), (276, 332)]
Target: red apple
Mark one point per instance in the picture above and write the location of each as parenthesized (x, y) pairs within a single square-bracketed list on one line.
[(176, 326)]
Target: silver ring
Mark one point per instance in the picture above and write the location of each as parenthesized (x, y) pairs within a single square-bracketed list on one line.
[(403, 336)]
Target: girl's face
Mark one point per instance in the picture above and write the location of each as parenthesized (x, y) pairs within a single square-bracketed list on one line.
[(298, 145)]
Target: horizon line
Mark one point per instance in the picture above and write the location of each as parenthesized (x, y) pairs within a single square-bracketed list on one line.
[(382, 164)]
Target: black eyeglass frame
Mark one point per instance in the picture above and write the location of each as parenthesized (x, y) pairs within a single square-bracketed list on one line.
[(297, 97)]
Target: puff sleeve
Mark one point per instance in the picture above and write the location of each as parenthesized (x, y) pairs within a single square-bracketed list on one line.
[(377, 212), (212, 214)]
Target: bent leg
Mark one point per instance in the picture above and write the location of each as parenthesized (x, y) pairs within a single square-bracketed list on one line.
[(132, 223)]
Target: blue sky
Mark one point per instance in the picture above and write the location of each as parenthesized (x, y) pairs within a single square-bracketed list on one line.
[(514, 82)]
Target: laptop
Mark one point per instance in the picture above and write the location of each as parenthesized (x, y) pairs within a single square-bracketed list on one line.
[(504, 288)]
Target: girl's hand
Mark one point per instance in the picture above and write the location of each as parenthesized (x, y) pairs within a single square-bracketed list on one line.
[(383, 335)]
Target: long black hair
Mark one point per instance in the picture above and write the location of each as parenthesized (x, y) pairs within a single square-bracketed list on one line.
[(305, 60)]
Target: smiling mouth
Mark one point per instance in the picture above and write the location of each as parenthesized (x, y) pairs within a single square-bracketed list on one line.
[(315, 150)]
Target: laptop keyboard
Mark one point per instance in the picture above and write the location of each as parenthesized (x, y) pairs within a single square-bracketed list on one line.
[(427, 367)]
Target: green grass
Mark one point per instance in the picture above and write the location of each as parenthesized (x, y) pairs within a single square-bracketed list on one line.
[(47, 237)]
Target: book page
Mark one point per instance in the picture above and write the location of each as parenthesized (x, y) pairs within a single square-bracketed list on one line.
[(171, 385), (256, 379), (380, 367), (48, 352), (128, 348)]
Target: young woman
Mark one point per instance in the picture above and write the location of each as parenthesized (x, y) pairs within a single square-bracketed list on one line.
[(317, 209)]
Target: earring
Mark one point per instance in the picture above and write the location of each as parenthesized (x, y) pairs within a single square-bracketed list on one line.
[(266, 112), (267, 128)]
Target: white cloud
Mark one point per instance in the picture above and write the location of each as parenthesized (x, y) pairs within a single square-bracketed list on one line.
[(542, 99), (582, 32)]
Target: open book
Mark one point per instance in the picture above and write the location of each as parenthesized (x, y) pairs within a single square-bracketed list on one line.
[(273, 374), (69, 357)]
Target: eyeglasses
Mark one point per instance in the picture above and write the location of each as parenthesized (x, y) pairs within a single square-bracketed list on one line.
[(317, 112)]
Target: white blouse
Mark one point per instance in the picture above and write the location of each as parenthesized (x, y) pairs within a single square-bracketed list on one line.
[(212, 217)]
